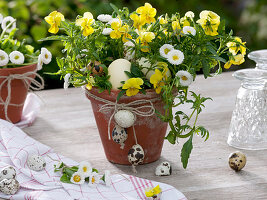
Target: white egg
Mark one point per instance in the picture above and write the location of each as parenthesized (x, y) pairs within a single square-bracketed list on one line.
[(124, 118), (9, 186), (36, 162), (116, 71), (8, 173), (163, 169)]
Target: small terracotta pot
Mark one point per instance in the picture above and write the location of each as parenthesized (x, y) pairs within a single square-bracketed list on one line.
[(18, 92), (150, 131)]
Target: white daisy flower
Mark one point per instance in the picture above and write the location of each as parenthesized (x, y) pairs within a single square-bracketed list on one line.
[(3, 58), (66, 81), (189, 30), (6, 21), (190, 14), (175, 57), (85, 168), (185, 78), (46, 55), (107, 178), (94, 179), (165, 49), (1, 18), (106, 31), (16, 57), (40, 62), (77, 178), (104, 18)]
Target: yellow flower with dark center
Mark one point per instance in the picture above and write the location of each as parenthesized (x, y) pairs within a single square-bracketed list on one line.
[(236, 46), (210, 22), (145, 38), (153, 191), (176, 25), (138, 21), (54, 19), (237, 60), (184, 21), (124, 30), (163, 20), (157, 81), (132, 86), (116, 24), (85, 23), (147, 12)]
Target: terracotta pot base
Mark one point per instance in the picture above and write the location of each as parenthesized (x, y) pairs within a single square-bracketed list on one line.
[(150, 131), (18, 92)]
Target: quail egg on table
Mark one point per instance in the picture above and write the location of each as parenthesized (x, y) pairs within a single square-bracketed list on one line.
[(124, 118), (163, 169), (9, 186), (237, 160), (36, 162), (8, 173)]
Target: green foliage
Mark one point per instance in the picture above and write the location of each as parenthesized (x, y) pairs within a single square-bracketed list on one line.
[(186, 151)]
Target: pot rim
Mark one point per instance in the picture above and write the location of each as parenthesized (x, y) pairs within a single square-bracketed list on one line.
[(15, 68)]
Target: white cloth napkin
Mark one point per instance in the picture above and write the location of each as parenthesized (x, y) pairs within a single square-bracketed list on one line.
[(31, 108), (16, 147)]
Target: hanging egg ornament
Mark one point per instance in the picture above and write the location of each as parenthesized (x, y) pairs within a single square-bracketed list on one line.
[(124, 118), (8, 173), (9, 186), (119, 135), (136, 155), (116, 70), (96, 69)]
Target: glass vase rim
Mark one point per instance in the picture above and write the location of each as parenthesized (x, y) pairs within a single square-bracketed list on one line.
[(251, 74), (255, 55)]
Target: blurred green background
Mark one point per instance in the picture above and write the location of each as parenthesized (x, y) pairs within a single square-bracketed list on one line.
[(247, 18)]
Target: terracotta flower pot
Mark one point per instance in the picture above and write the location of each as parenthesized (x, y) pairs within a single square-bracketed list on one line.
[(18, 92), (150, 131)]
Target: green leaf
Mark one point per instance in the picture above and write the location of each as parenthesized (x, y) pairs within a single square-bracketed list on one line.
[(186, 151), (121, 93), (65, 178), (206, 68), (114, 8), (171, 137), (94, 170)]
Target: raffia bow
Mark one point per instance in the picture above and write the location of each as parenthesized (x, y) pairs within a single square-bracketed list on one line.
[(137, 107), (28, 82)]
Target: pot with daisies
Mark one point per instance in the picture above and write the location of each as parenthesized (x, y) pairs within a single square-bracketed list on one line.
[(19, 63), (136, 67)]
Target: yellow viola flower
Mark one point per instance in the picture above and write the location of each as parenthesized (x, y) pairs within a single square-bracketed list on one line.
[(138, 21), (145, 38), (85, 23), (236, 46), (176, 25), (91, 82), (163, 20), (132, 86), (210, 22), (124, 30), (157, 80), (147, 12), (116, 24), (184, 21), (151, 192), (236, 60), (54, 19)]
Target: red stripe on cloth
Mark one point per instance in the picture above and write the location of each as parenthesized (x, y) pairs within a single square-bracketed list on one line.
[(112, 183), (136, 189), (140, 187)]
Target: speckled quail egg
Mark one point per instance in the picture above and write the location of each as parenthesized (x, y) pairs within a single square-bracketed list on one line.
[(237, 160), (119, 135), (8, 173), (9, 186), (163, 169), (124, 118), (36, 162), (136, 155)]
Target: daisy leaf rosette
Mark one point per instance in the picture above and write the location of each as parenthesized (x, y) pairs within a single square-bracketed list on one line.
[(166, 52)]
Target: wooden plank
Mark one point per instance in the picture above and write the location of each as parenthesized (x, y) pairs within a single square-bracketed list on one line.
[(66, 123)]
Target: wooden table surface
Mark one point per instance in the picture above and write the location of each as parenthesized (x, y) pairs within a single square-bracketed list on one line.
[(66, 123)]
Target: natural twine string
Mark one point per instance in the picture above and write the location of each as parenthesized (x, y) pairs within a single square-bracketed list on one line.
[(28, 82), (136, 107)]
